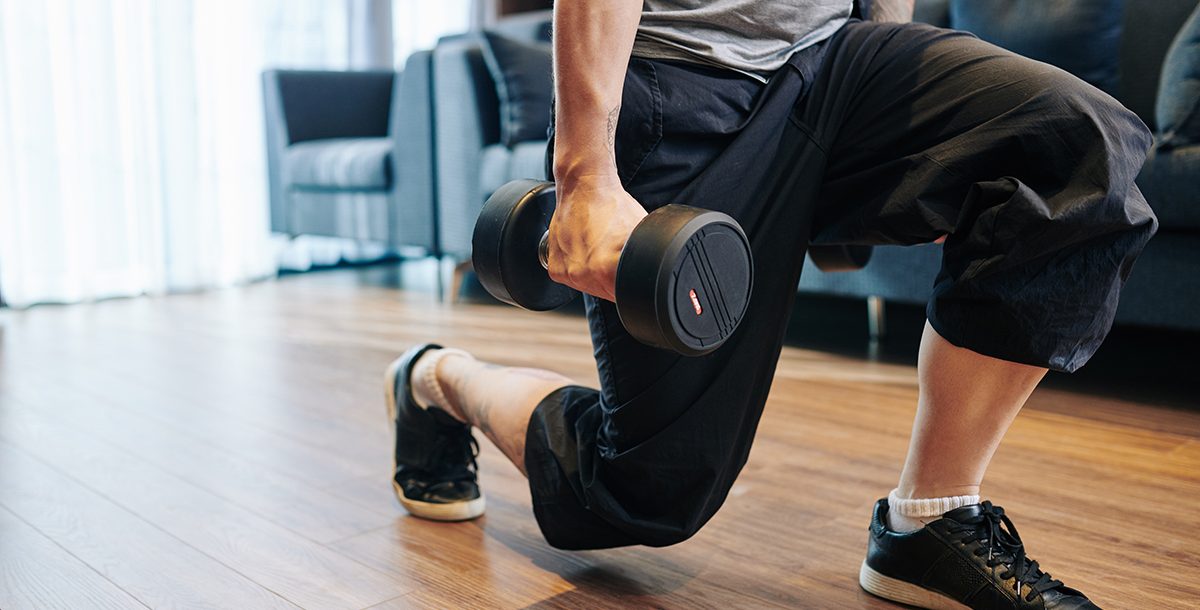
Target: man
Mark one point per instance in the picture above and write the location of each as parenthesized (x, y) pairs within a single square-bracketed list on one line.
[(800, 122)]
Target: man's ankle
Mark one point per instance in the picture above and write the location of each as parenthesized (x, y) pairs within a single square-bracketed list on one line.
[(908, 512), (909, 491), (429, 386)]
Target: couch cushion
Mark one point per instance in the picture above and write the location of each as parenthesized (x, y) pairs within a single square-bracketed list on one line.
[(356, 164), (1080, 36), (1164, 289), (501, 164), (522, 72), (904, 274), (1178, 108), (1170, 180)]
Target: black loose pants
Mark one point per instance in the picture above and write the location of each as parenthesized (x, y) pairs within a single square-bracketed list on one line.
[(883, 134)]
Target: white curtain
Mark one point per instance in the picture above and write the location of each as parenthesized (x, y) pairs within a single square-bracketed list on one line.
[(417, 24), (132, 157)]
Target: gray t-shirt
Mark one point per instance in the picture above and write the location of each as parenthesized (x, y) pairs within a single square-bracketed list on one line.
[(750, 36)]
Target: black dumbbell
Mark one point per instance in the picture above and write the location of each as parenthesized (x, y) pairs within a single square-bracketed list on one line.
[(683, 280)]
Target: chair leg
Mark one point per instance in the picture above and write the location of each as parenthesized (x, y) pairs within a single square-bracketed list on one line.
[(440, 279), (456, 280), (875, 320)]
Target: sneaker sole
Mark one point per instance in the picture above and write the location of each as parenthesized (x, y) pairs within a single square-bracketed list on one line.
[(904, 592), (450, 511)]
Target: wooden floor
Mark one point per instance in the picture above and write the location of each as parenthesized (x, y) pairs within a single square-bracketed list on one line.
[(229, 449)]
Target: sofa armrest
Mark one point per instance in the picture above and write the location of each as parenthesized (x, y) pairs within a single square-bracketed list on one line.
[(466, 119), (413, 216)]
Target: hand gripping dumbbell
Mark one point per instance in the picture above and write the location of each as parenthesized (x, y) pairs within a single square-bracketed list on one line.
[(683, 279)]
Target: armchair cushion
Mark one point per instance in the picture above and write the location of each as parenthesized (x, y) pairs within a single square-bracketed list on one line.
[(502, 164), (522, 71), (340, 164), (1178, 108), (1170, 180), (1080, 36)]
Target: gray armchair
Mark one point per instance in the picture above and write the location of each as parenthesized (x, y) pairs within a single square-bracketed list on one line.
[(350, 154), (471, 160)]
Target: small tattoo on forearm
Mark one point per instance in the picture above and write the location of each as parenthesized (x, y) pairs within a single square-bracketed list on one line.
[(613, 115)]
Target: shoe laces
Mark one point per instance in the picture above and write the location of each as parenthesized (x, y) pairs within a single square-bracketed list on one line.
[(454, 458), (1002, 544)]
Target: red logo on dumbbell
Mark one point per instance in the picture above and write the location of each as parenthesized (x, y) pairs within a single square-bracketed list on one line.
[(695, 301)]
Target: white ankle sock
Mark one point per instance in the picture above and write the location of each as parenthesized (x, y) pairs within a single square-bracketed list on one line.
[(909, 515), (428, 364)]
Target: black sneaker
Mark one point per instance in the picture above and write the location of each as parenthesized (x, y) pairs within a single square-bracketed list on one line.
[(433, 465), (963, 560)]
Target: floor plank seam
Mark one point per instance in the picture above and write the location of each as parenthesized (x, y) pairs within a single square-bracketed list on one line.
[(68, 552), (220, 496), (149, 523)]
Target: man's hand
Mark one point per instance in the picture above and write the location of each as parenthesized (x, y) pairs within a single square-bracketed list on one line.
[(592, 221), (594, 215)]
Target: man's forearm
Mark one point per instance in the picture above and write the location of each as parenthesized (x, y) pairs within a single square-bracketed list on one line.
[(592, 44), (899, 11)]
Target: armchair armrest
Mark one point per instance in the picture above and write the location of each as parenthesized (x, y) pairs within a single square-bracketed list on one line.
[(413, 215)]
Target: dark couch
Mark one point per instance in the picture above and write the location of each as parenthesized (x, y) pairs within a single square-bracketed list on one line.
[(1164, 289)]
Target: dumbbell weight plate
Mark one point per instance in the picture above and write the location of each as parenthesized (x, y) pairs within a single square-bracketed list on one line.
[(684, 279), (504, 247)]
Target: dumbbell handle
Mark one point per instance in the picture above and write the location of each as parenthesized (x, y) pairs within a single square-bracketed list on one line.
[(544, 250)]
